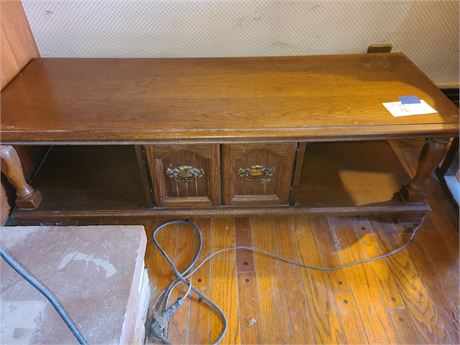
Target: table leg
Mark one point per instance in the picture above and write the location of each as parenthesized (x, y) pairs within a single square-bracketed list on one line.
[(431, 156), (26, 196)]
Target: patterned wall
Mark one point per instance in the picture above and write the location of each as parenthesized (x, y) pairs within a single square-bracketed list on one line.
[(427, 31)]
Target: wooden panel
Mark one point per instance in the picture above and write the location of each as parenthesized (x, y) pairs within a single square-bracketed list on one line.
[(18, 45), (158, 100), (197, 191), (258, 189)]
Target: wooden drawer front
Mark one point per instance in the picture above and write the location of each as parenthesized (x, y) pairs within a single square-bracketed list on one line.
[(258, 174), (185, 175)]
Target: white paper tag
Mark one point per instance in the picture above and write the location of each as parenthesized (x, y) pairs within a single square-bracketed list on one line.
[(398, 109)]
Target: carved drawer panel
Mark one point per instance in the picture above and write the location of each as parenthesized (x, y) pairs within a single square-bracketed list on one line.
[(185, 175), (258, 174)]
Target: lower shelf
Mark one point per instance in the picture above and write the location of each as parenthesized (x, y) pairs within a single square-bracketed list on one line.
[(90, 178), (343, 178), (345, 174)]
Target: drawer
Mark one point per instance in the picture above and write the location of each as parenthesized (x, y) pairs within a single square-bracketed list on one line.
[(185, 175), (258, 174)]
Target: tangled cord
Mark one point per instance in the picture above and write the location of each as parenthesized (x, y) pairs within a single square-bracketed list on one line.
[(162, 312)]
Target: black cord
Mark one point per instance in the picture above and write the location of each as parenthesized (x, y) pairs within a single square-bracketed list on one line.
[(44, 291)]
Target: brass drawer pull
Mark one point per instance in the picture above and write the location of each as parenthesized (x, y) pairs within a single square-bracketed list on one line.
[(184, 173), (256, 172)]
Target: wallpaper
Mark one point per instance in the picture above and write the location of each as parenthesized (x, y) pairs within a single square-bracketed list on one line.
[(426, 31)]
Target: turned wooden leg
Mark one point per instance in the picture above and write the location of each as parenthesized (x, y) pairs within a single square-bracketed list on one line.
[(432, 154), (26, 196)]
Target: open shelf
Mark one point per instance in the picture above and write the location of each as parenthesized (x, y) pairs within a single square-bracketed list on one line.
[(345, 174), (90, 178), (341, 178)]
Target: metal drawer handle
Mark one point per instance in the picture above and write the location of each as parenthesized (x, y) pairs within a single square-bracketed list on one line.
[(256, 172), (184, 173)]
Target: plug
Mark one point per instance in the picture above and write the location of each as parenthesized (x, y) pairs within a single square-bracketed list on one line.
[(159, 324)]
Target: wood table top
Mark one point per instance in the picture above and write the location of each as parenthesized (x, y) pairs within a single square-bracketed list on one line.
[(336, 97)]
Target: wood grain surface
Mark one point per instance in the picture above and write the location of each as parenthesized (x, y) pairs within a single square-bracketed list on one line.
[(219, 99)]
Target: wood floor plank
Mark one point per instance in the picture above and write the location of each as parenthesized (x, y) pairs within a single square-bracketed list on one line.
[(157, 263), (323, 310), (160, 272), (347, 308), (404, 326), (200, 313), (249, 308), (273, 306), (446, 263), (186, 245), (446, 228), (416, 296), (372, 309), (370, 247), (447, 309), (224, 284), (393, 299), (300, 323), (244, 258)]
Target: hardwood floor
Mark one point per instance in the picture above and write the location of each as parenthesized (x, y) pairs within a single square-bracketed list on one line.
[(409, 298)]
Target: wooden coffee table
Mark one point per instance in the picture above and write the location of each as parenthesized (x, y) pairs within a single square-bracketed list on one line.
[(220, 136)]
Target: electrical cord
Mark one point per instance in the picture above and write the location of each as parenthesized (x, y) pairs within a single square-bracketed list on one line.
[(162, 312), (45, 292)]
